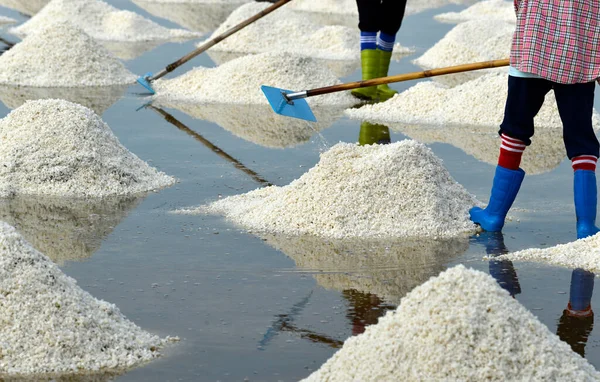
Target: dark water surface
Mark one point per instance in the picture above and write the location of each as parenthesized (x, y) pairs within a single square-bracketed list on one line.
[(274, 308)]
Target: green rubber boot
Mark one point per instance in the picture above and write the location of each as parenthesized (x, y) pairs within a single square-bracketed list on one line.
[(369, 59), (371, 133), (384, 92)]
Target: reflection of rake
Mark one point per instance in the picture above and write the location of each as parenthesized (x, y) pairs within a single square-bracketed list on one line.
[(284, 319), (236, 163), (7, 43), (312, 336)]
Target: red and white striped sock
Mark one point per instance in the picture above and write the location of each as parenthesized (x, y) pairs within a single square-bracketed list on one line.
[(584, 162), (511, 151)]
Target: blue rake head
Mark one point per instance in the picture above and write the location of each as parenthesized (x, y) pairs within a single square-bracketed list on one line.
[(297, 108), (145, 82)]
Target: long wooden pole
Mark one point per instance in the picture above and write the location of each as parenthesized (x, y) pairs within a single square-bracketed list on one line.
[(169, 68), (398, 78)]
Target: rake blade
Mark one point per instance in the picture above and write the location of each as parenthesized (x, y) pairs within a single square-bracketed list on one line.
[(297, 108), (144, 81)]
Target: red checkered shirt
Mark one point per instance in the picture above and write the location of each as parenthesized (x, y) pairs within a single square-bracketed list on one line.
[(558, 40)]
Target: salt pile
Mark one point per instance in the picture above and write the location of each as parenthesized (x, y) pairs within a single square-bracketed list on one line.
[(348, 7), (479, 102), (468, 42), (299, 35), (6, 20), (386, 268), (545, 153), (61, 55), (50, 325), (582, 253), (459, 326), (97, 98), (65, 229), (101, 21), (239, 81), (258, 123), (396, 190), (27, 7), (55, 147), (485, 10)]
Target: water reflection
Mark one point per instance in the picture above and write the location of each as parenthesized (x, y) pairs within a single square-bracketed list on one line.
[(546, 152), (129, 50), (577, 320), (98, 98), (387, 268), (65, 229), (258, 123), (196, 16), (372, 133), (364, 309)]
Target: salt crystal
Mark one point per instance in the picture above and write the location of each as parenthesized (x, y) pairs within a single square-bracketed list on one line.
[(50, 325), (239, 81), (55, 147), (101, 21), (458, 326), (61, 55), (396, 190)]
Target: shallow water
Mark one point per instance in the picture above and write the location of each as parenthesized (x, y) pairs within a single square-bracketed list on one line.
[(271, 308)]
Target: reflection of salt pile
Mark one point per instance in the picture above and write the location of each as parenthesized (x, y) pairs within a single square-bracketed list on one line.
[(129, 50), (197, 16), (6, 20), (27, 7), (101, 21), (386, 268), (479, 102), (65, 229), (396, 190), (485, 10), (98, 99), (471, 41), (239, 81), (61, 56), (55, 147), (50, 325), (257, 123), (459, 326), (299, 35), (546, 152), (583, 253)]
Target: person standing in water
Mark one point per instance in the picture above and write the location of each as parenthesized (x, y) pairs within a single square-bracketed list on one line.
[(556, 46), (379, 21)]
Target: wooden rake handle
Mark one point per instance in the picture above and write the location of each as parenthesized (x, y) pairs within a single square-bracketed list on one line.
[(403, 77)]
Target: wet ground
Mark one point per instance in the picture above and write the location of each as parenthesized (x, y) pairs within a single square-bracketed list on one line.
[(274, 308)]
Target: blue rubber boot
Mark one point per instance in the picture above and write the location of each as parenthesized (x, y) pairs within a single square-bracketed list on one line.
[(586, 201), (504, 191)]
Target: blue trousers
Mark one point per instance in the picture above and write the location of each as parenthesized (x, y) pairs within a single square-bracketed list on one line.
[(575, 104)]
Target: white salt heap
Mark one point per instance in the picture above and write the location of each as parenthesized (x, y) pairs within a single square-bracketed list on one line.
[(55, 147), (348, 7), (50, 325), (458, 326), (469, 42), (298, 35), (479, 102), (484, 10), (27, 7), (396, 190), (61, 55), (101, 21), (583, 253), (239, 81)]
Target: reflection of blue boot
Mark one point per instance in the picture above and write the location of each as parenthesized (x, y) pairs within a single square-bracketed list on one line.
[(502, 270), (586, 200), (582, 288), (504, 191)]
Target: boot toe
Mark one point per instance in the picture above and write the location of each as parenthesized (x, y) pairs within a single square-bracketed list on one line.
[(586, 230), (488, 222)]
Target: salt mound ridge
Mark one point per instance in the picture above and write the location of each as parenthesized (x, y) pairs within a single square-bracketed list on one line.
[(299, 35), (50, 325), (458, 326), (479, 102), (396, 190), (468, 42), (101, 21), (55, 147), (583, 253), (239, 81), (485, 10), (61, 55)]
